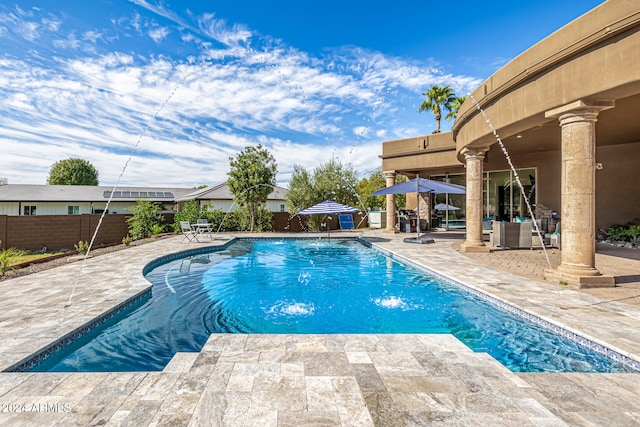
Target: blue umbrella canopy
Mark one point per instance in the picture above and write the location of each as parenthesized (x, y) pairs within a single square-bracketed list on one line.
[(327, 207), (422, 185)]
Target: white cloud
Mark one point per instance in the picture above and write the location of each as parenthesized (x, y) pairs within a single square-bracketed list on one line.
[(218, 30), (158, 34), (180, 119)]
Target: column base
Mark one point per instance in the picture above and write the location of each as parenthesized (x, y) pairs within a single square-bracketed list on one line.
[(467, 246), (579, 278), (390, 230)]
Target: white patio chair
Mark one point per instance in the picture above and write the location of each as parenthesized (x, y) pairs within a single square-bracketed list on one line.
[(188, 233)]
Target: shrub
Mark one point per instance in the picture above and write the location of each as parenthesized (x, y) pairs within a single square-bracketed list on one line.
[(263, 219), (220, 220), (633, 233), (126, 240), (6, 256), (617, 232), (189, 212), (82, 247), (225, 221), (157, 229), (145, 217)]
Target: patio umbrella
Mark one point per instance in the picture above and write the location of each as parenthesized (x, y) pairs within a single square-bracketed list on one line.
[(328, 207), (446, 207), (421, 185)]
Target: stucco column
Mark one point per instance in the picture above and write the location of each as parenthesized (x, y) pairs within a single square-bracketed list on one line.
[(391, 203), (578, 200), (473, 159)]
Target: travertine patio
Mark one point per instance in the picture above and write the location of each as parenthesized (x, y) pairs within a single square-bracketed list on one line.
[(315, 380)]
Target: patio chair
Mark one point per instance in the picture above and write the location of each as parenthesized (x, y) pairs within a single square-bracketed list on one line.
[(513, 235), (188, 233), (554, 239)]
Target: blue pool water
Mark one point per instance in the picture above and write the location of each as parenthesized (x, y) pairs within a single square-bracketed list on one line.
[(309, 286)]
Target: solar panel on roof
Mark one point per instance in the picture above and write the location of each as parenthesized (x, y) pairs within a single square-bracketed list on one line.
[(134, 194), (106, 194)]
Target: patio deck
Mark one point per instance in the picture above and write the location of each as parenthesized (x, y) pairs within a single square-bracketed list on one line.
[(313, 380)]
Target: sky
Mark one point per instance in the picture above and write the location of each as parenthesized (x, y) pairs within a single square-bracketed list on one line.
[(157, 93)]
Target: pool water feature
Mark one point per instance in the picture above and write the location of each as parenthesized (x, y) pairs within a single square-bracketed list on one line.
[(310, 287)]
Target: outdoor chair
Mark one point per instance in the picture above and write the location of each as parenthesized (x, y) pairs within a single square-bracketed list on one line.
[(188, 233), (513, 235), (554, 239)]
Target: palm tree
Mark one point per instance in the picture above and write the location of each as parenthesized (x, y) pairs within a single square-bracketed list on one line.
[(455, 107), (437, 98)]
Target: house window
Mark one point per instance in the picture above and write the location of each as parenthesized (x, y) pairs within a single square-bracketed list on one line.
[(29, 210), (74, 210), (281, 208)]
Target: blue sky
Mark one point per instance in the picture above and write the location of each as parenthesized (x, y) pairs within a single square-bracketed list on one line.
[(163, 93)]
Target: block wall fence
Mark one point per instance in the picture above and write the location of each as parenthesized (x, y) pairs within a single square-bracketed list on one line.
[(56, 232)]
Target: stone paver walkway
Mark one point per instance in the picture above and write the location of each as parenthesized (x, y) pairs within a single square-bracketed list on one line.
[(314, 380), (622, 263)]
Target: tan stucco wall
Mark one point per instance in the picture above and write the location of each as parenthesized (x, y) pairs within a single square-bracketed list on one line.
[(596, 56), (420, 153), (617, 184), (547, 165), (617, 189)]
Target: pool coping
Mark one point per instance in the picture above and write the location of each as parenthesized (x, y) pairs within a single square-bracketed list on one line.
[(599, 346)]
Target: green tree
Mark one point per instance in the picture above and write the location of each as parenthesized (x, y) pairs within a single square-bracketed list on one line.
[(437, 98), (72, 171), (329, 181), (300, 194), (455, 107), (252, 177), (368, 185), (337, 182), (146, 220)]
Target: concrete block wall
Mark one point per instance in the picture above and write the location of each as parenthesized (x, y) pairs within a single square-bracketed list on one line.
[(56, 232)]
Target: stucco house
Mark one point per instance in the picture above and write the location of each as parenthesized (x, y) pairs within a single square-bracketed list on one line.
[(23, 199), (219, 197), (566, 111)]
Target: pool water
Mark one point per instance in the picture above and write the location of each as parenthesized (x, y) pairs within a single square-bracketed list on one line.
[(310, 287)]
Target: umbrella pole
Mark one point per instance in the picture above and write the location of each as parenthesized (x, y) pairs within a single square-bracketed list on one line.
[(446, 212), (418, 206)]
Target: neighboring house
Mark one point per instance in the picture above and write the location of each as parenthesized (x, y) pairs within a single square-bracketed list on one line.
[(19, 199), (219, 197), (566, 111)]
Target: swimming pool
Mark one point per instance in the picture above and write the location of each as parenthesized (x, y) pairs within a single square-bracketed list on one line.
[(315, 287)]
